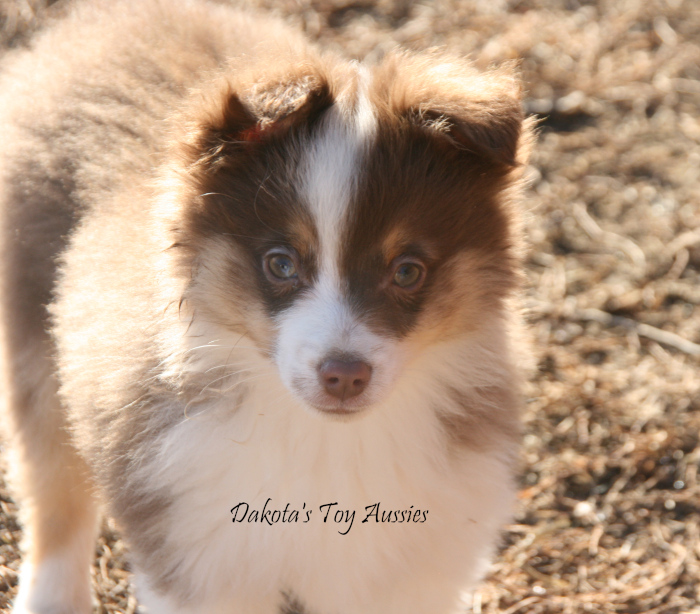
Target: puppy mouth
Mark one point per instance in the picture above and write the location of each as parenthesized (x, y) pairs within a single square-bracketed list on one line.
[(341, 415), (328, 405), (340, 409)]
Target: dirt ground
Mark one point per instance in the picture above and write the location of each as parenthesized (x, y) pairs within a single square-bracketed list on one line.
[(608, 519)]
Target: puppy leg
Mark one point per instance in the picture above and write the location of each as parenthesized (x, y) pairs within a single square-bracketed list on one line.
[(50, 481)]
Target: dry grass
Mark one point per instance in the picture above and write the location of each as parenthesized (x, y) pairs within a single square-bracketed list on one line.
[(608, 519)]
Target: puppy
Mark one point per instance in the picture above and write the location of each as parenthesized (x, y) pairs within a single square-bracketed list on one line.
[(256, 307)]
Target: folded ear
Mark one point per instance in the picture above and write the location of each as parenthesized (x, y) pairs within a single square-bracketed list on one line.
[(478, 112), (252, 109)]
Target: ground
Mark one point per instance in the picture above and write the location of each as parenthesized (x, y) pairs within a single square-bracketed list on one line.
[(608, 519)]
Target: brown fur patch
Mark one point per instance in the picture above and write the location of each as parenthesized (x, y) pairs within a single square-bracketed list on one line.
[(482, 418), (243, 191), (432, 197)]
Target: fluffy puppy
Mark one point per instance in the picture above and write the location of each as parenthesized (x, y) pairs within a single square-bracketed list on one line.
[(255, 307)]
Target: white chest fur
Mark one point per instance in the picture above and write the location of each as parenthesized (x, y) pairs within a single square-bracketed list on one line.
[(271, 450)]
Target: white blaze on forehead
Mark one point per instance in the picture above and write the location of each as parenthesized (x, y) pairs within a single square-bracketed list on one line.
[(320, 323), (331, 166)]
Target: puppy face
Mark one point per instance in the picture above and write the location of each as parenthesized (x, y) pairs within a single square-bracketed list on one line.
[(344, 223)]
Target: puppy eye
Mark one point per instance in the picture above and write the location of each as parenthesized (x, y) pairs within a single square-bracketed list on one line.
[(408, 275), (281, 266)]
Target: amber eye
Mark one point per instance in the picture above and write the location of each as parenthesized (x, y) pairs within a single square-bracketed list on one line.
[(407, 275), (281, 267)]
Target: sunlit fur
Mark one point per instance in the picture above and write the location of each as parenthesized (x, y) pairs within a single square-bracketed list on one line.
[(153, 153)]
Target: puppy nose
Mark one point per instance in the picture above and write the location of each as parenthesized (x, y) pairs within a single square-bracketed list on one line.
[(343, 379)]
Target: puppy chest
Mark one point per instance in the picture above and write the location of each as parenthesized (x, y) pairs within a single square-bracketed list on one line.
[(274, 504)]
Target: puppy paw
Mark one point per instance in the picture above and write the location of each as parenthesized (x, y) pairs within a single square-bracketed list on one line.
[(53, 587)]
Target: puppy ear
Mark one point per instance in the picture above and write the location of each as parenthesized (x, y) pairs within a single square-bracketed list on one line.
[(476, 112), (246, 113), (272, 108), (492, 135)]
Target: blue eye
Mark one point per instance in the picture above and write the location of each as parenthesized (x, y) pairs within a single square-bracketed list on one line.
[(282, 266), (407, 275)]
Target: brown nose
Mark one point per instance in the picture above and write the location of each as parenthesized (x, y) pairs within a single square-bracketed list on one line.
[(343, 379)]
